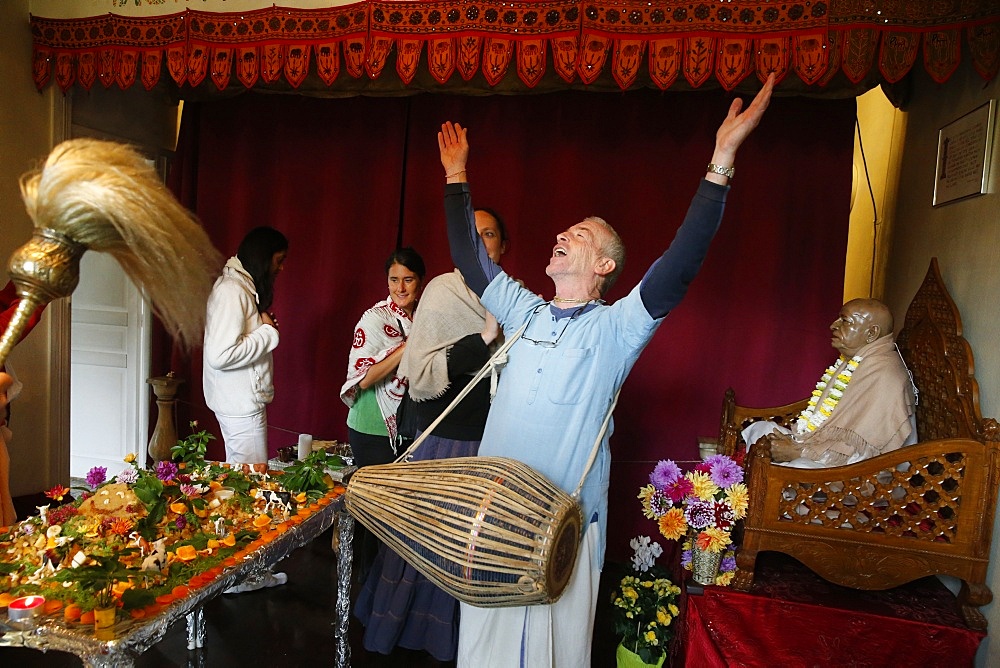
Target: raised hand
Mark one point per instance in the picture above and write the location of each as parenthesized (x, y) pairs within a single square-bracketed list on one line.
[(454, 147), (737, 126)]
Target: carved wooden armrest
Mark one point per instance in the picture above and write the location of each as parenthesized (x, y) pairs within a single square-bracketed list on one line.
[(736, 418)]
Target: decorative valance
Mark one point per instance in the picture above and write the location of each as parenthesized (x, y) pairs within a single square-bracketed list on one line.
[(636, 43)]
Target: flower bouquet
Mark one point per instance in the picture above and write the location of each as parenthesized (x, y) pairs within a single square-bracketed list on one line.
[(701, 507), (645, 605)]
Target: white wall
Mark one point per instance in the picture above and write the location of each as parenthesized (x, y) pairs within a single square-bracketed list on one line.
[(27, 133), (965, 237)]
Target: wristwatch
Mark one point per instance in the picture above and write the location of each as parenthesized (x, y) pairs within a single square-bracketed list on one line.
[(719, 169)]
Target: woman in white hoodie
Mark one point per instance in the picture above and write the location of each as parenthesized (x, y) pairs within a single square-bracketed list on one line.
[(240, 334)]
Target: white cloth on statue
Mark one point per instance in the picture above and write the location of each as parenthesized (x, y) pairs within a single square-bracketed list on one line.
[(875, 415), (245, 438), (549, 635)]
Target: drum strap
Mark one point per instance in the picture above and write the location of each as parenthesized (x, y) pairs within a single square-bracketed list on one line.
[(498, 359)]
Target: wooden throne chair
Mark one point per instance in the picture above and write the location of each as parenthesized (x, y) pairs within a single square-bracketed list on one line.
[(925, 509)]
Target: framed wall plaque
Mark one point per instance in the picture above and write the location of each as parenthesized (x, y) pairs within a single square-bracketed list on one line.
[(963, 155)]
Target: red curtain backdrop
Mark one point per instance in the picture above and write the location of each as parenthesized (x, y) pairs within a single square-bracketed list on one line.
[(344, 179)]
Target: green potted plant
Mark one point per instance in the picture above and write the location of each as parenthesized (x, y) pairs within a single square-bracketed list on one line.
[(311, 475), (643, 609), (98, 580)]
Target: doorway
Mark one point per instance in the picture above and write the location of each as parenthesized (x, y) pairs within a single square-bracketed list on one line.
[(109, 398)]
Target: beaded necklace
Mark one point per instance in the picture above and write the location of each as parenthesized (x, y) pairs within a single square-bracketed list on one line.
[(816, 413)]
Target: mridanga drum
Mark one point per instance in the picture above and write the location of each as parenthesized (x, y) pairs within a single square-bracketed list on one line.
[(490, 531)]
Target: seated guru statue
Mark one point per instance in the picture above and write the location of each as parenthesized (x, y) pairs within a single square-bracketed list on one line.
[(863, 404)]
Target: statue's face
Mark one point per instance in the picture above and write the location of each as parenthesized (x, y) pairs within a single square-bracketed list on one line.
[(851, 329)]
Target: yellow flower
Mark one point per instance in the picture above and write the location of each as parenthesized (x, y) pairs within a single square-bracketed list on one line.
[(662, 617), (723, 579), (713, 540), (738, 498), (644, 494), (704, 488), (672, 524), (129, 458), (651, 638), (674, 610)]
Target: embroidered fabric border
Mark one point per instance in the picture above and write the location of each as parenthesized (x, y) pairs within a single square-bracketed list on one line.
[(727, 41)]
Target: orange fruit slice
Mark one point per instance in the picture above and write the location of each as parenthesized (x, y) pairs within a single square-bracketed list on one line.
[(229, 540), (179, 507), (186, 553), (261, 521), (52, 606), (87, 617)]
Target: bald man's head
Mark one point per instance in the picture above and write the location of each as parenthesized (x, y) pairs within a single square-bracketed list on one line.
[(861, 321)]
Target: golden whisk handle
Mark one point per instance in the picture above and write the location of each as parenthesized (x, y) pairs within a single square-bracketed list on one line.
[(16, 327), (44, 269)]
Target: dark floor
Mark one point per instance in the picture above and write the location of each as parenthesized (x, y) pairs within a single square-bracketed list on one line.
[(292, 625)]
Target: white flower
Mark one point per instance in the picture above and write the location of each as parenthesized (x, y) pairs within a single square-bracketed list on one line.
[(645, 553)]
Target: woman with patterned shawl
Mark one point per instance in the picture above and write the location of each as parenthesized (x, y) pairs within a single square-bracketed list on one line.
[(373, 389)]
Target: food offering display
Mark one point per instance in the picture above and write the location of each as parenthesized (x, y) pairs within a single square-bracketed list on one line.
[(142, 541)]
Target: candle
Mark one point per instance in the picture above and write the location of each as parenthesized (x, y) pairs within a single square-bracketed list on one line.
[(26, 607), (305, 445)]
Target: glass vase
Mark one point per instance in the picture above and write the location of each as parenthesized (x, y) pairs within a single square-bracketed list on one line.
[(704, 565)]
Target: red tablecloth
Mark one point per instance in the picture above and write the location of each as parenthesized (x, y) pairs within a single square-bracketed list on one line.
[(793, 618)]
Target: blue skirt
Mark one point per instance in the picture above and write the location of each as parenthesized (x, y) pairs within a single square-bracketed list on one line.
[(400, 607)]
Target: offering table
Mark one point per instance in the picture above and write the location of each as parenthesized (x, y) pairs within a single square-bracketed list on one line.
[(134, 636)]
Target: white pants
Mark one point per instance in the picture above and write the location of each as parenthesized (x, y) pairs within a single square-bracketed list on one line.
[(537, 636), (245, 438)]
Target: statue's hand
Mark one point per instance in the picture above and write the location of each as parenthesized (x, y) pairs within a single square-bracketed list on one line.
[(783, 448)]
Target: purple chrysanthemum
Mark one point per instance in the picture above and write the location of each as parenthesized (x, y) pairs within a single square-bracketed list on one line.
[(699, 514), (96, 476), (659, 503), (180, 522), (166, 470), (665, 473), (685, 558), (727, 564), (724, 471), (128, 476)]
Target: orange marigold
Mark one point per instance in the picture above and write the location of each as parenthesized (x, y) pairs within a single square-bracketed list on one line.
[(672, 524), (120, 526)]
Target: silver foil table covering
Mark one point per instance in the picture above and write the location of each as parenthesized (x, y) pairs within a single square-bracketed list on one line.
[(133, 637)]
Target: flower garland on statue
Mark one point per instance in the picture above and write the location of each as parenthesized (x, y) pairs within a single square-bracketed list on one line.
[(816, 413), (702, 505)]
